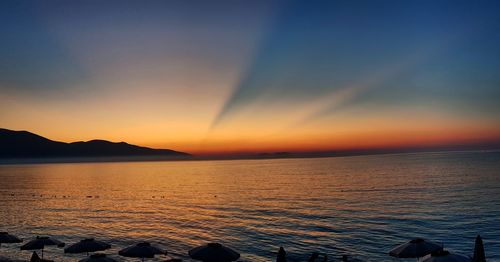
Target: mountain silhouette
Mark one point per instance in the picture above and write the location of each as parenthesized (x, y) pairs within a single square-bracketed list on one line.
[(23, 144)]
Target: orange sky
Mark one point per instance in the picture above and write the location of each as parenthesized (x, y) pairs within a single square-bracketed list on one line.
[(249, 131)]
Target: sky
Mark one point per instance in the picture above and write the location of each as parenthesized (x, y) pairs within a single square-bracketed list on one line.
[(227, 77)]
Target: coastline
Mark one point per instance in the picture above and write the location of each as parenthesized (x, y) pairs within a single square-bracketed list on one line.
[(111, 159)]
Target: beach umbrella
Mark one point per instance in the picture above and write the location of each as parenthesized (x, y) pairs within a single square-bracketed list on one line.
[(479, 255), (415, 248), (281, 255), (142, 250), (213, 252), (98, 258), (86, 246), (8, 238), (40, 243), (444, 256)]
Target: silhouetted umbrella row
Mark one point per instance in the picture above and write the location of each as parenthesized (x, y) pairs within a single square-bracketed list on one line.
[(212, 252), (420, 248)]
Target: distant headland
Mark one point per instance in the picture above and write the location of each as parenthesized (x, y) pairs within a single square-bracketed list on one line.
[(26, 145)]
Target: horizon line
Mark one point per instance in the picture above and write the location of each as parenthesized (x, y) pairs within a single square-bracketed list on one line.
[(479, 144)]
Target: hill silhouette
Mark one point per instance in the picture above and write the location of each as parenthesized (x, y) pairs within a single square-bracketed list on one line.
[(23, 144)]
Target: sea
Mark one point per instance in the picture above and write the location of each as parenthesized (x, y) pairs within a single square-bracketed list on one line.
[(360, 206)]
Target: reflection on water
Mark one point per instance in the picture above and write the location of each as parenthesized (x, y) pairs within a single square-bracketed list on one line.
[(361, 206)]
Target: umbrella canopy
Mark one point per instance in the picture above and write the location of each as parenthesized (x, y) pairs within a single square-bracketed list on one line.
[(98, 258), (281, 255), (86, 246), (444, 256), (142, 250), (41, 242), (417, 247), (213, 252), (8, 238), (479, 255)]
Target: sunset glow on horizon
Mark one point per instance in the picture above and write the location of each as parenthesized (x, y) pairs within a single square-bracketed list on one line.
[(253, 76)]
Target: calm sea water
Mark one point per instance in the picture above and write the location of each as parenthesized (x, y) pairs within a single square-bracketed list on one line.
[(362, 206)]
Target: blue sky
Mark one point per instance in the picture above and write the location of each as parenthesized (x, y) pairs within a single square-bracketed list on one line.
[(440, 51)]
